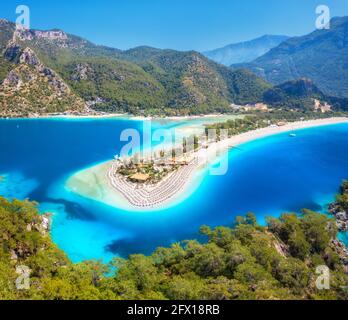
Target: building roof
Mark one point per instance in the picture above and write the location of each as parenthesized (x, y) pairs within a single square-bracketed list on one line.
[(140, 177)]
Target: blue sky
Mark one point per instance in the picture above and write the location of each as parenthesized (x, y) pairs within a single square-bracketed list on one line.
[(176, 24)]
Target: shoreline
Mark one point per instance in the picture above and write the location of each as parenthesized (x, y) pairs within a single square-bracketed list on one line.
[(117, 192), (249, 136), (116, 116)]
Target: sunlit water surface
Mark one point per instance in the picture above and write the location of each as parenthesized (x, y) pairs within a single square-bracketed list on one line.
[(268, 176)]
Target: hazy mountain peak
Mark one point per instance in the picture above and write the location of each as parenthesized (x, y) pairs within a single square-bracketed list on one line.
[(321, 56), (336, 21), (246, 51)]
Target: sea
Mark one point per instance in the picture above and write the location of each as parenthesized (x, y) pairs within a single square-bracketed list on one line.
[(268, 177)]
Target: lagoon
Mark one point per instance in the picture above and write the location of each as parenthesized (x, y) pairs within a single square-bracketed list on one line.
[(267, 176)]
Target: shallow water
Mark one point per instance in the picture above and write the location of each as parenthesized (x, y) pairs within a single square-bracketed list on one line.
[(267, 176)]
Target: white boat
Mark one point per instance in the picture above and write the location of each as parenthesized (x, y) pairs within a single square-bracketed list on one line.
[(292, 135)]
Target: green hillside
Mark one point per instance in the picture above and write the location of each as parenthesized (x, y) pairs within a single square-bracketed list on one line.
[(143, 80), (240, 263), (301, 94), (194, 81), (321, 56), (150, 81)]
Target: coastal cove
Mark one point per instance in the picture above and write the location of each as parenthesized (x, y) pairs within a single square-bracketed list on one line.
[(99, 182), (43, 154)]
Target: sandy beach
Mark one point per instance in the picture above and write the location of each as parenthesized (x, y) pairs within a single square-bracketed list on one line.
[(94, 183), (126, 116), (100, 184), (82, 116), (268, 131)]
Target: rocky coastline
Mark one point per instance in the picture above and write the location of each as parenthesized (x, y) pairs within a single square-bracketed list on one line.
[(340, 215), (339, 210)]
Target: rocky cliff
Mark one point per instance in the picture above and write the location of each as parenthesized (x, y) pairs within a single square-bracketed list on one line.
[(30, 88)]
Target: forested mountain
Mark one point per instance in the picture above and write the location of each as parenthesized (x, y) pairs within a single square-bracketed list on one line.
[(191, 79), (294, 94), (302, 94), (27, 85), (141, 80), (244, 51), (51, 71), (321, 56), (245, 262)]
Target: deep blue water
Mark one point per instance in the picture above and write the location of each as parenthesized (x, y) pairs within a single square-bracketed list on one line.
[(268, 176)]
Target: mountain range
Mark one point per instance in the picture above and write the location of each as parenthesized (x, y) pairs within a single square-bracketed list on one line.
[(52, 71), (321, 56), (245, 51), (73, 74), (302, 94)]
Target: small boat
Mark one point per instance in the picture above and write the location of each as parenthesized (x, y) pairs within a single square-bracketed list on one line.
[(292, 135)]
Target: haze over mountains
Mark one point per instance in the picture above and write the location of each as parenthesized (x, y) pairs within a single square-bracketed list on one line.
[(51, 71), (245, 51), (321, 56)]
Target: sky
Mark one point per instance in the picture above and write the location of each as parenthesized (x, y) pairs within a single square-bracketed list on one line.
[(176, 24)]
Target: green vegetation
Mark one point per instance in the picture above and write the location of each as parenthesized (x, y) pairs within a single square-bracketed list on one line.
[(320, 56), (340, 208), (151, 81), (237, 126), (149, 171), (194, 84), (296, 94), (37, 94), (7, 29), (5, 68), (141, 81), (300, 94), (342, 198), (110, 84), (258, 120), (247, 261), (245, 87)]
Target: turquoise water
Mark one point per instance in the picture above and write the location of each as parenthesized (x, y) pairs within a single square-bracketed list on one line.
[(268, 176)]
